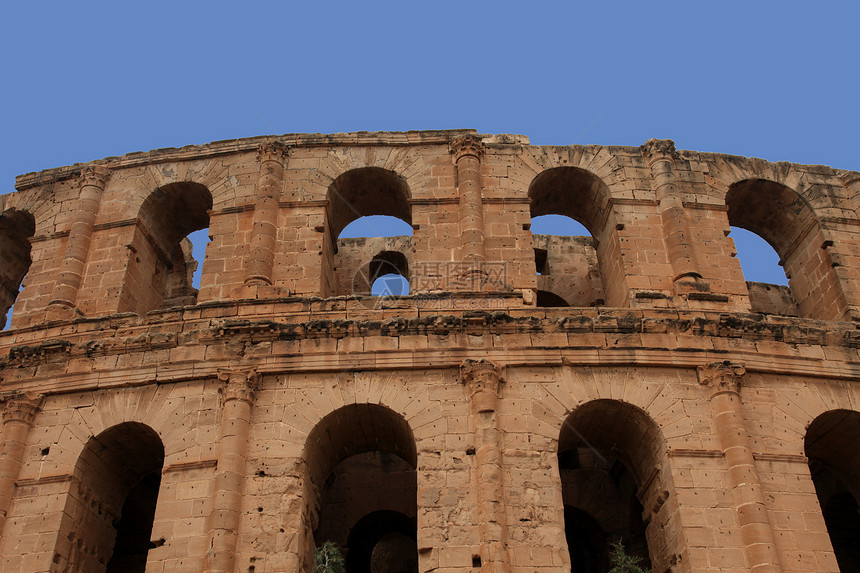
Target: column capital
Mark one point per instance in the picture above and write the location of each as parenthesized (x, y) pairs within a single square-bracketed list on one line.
[(658, 150), (21, 407), (238, 384), (722, 376), (481, 379), (468, 144), (94, 176), (273, 151)]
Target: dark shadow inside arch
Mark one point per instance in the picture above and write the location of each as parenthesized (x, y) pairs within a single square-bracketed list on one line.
[(362, 460), (573, 248), (607, 451), (832, 445), (382, 542), (16, 228), (586, 542), (107, 523), (162, 266), (547, 298), (783, 218), (367, 191)]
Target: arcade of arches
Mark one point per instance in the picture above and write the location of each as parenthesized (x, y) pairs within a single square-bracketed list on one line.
[(536, 396)]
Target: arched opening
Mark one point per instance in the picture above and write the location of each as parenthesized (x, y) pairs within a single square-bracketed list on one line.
[(367, 212), (16, 228), (573, 249), (161, 271), (387, 274), (832, 446), (607, 451), (361, 459), (783, 218), (107, 522)]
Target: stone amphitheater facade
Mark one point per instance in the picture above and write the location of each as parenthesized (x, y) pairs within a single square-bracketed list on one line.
[(532, 399)]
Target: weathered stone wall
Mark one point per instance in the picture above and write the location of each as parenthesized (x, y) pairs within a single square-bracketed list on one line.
[(704, 419)]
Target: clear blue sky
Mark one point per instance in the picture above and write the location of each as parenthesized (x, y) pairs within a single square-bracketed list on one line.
[(765, 79)]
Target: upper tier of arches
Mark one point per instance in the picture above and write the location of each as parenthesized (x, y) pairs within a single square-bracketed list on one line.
[(638, 217)]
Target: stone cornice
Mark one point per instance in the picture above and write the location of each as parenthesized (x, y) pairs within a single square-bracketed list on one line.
[(104, 356)]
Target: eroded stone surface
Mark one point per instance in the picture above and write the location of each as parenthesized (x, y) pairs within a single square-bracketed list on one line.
[(495, 418)]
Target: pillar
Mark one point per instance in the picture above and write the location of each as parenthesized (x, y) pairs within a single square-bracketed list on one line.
[(19, 412), (660, 155), (481, 379), (92, 183), (272, 157), (724, 378), (238, 396), (468, 150)]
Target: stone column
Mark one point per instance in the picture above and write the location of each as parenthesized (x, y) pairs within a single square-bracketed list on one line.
[(238, 396), (660, 155), (18, 415), (260, 263), (92, 183), (724, 378), (482, 379), (468, 151)]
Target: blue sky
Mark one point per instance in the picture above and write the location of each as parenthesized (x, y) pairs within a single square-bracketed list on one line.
[(765, 79)]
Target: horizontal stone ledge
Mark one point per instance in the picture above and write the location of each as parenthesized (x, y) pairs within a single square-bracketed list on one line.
[(187, 466), (693, 453)]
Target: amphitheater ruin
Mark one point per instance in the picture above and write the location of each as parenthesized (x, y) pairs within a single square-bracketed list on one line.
[(532, 399)]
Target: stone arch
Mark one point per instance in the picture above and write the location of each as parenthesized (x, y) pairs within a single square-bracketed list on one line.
[(785, 219), (161, 266), (383, 263), (16, 228), (367, 191), (584, 197), (832, 446), (110, 509), (608, 455), (360, 459), (358, 193)]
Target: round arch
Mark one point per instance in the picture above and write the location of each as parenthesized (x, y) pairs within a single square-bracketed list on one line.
[(367, 191), (107, 522), (584, 197), (832, 445), (784, 218), (161, 266), (607, 454), (361, 459)]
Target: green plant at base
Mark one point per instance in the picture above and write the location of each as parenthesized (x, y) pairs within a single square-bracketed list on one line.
[(622, 562), (327, 559)]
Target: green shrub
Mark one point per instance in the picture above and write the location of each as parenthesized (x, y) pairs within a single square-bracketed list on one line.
[(622, 562), (327, 559)]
